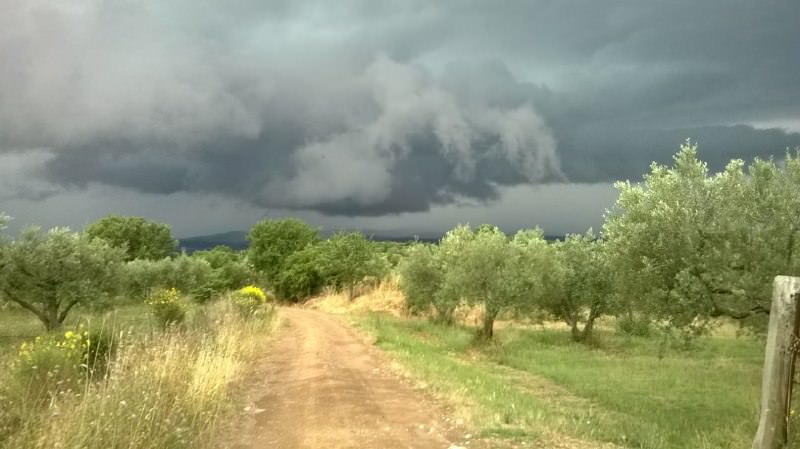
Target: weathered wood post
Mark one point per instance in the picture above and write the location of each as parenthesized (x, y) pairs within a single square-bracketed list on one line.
[(776, 386)]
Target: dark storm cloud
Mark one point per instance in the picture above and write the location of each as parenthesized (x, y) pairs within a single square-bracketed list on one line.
[(717, 146), (370, 108)]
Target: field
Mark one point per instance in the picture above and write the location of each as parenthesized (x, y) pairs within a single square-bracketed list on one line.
[(179, 387), (631, 392), (17, 326), (532, 385)]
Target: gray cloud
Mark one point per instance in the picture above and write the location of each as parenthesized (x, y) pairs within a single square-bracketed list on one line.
[(364, 108), (20, 177), (578, 206)]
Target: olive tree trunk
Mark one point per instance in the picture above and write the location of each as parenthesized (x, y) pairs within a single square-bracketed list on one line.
[(776, 386), (487, 330)]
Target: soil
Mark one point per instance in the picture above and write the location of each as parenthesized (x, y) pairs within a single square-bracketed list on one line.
[(324, 386)]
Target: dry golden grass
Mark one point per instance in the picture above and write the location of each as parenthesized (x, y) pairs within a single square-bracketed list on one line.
[(385, 297), (164, 390)]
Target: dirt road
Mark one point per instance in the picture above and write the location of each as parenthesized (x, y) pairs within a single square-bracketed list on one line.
[(324, 387)]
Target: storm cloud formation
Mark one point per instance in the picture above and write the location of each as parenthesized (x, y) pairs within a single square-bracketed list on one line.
[(365, 108)]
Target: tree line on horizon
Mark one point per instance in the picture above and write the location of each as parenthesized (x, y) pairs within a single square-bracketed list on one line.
[(680, 249), (50, 273)]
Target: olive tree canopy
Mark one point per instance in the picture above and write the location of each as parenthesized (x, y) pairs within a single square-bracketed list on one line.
[(689, 246), (50, 273)]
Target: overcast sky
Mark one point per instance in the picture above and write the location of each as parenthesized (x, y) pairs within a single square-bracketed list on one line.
[(409, 115)]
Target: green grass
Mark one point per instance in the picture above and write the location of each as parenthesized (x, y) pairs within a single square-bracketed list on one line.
[(18, 325), (15, 327), (625, 391)]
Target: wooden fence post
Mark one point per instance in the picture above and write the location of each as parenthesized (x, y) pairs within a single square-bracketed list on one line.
[(776, 386)]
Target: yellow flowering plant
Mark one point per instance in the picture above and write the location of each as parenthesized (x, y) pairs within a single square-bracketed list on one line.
[(167, 306), (251, 291), (58, 362), (249, 299), (74, 346)]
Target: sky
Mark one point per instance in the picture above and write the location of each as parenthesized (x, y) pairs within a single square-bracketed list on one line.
[(402, 116)]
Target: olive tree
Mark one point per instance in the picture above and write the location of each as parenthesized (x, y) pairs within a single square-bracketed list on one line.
[(142, 277), (229, 268), (190, 275), (50, 273), (139, 237), (529, 261), (483, 267), (349, 258), (689, 246), (577, 285), (392, 252), (422, 283)]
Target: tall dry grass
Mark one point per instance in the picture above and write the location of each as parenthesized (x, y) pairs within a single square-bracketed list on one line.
[(163, 390), (384, 296)]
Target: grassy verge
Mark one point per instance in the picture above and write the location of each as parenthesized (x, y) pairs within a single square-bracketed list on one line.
[(172, 389), (532, 383), (17, 325)]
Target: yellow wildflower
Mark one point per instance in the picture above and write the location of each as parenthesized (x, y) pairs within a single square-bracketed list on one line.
[(251, 291)]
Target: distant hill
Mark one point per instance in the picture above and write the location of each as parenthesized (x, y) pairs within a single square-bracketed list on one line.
[(237, 240)]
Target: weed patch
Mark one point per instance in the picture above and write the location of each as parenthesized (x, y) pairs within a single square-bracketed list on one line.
[(163, 390)]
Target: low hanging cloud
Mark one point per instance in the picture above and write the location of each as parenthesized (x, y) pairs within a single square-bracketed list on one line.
[(16, 173), (117, 97), (391, 139), (365, 165)]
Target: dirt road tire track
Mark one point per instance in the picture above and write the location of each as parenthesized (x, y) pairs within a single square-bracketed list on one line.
[(324, 387)]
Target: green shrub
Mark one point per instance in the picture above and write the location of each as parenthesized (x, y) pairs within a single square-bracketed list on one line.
[(99, 350), (229, 271), (273, 241), (301, 276), (634, 326), (168, 307), (348, 258)]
